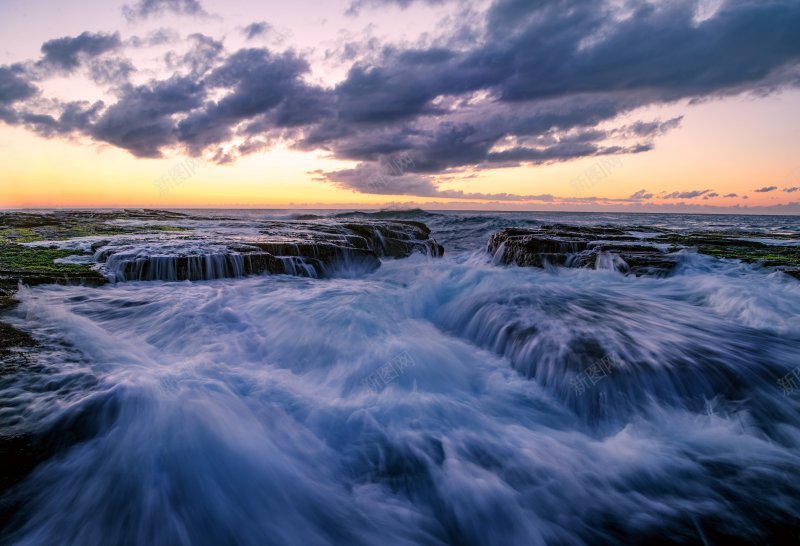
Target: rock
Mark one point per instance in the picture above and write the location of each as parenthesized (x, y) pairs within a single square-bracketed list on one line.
[(11, 337), (620, 248), (24, 227), (318, 247), (767, 250), (600, 247), (309, 249), (36, 265)]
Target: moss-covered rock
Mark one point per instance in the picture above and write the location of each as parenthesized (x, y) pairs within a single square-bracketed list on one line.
[(26, 227), (581, 246), (741, 246), (36, 265)]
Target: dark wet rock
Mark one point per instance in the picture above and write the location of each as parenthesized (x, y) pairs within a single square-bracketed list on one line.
[(315, 248), (747, 247), (587, 247), (628, 251), (11, 338), (309, 249)]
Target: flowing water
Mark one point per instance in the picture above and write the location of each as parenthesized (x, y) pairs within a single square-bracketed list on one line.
[(431, 401)]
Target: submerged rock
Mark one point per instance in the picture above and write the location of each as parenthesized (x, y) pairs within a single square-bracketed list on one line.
[(769, 251), (628, 250), (588, 247)]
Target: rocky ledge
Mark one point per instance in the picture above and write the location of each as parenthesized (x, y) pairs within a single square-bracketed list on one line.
[(90, 247), (307, 249), (636, 250)]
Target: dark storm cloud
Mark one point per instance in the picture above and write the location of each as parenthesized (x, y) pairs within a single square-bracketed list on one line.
[(143, 120), (401, 89), (766, 189), (14, 86), (685, 194), (254, 30), (259, 84), (540, 133), (67, 53), (144, 9), (544, 49), (554, 47), (75, 117)]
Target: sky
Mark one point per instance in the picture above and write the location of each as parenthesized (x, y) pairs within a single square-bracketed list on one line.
[(604, 105)]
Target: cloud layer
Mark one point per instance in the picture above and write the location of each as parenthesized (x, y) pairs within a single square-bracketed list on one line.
[(543, 82)]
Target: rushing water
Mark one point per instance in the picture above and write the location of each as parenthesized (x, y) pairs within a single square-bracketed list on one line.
[(432, 401)]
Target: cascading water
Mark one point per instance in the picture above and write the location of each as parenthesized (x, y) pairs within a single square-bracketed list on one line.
[(430, 401), (293, 248)]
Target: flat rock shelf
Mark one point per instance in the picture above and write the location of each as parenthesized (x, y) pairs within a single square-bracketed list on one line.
[(636, 250)]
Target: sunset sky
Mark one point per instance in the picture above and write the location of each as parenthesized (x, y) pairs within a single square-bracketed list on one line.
[(503, 104)]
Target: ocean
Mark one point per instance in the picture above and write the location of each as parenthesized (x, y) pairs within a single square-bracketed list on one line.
[(449, 400)]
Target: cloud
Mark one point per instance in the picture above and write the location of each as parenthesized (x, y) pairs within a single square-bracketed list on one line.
[(143, 120), (545, 81), (265, 90), (14, 86), (111, 71), (357, 5), (791, 190), (710, 195), (551, 47), (254, 30), (144, 9), (640, 195), (67, 53), (74, 118), (730, 195), (685, 194), (766, 189), (155, 38), (377, 180), (204, 52)]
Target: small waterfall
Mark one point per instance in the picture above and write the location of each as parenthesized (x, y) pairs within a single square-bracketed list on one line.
[(126, 267), (301, 267), (499, 254), (608, 261), (299, 249)]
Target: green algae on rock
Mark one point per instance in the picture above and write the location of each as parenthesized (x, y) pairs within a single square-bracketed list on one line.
[(592, 246)]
